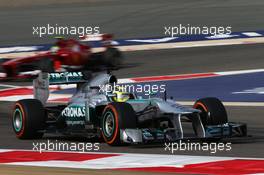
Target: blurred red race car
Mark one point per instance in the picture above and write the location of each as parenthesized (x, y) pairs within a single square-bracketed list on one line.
[(66, 54)]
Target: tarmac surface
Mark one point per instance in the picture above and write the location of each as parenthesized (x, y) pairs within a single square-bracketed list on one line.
[(24, 170), (177, 61), (124, 18)]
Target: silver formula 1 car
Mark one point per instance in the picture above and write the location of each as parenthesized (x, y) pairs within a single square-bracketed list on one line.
[(91, 112)]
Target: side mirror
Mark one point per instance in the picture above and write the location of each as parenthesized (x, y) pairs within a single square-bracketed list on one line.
[(152, 94)]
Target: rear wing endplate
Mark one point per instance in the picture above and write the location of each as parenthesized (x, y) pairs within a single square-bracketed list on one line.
[(44, 80)]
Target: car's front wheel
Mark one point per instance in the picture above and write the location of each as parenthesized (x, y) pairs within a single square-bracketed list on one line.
[(213, 111), (117, 116)]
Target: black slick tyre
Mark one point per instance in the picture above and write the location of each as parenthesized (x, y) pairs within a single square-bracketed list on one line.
[(28, 119), (117, 116), (213, 111)]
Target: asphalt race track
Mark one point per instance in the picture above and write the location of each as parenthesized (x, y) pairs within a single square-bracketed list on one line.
[(124, 18), (192, 60), (249, 147), (147, 18), (137, 60)]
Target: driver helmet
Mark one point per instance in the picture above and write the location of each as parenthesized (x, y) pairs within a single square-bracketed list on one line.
[(121, 95), (59, 43), (54, 49)]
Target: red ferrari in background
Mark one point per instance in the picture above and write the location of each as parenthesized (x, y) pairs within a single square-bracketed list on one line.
[(66, 54)]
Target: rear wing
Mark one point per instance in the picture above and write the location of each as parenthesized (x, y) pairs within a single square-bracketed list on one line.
[(44, 80), (106, 39), (97, 37), (90, 79)]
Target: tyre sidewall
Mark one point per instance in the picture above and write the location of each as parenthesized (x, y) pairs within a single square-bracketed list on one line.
[(112, 57), (115, 134), (213, 111), (19, 109), (33, 118), (124, 117)]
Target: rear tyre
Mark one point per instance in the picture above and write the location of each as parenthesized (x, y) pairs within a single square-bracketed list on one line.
[(28, 119), (46, 65), (213, 111), (112, 57), (117, 116)]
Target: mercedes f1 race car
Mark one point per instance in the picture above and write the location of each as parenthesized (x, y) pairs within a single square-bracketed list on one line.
[(117, 116), (66, 54)]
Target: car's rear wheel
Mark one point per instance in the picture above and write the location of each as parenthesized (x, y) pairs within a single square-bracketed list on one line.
[(117, 116), (29, 119), (46, 65), (112, 57), (213, 111)]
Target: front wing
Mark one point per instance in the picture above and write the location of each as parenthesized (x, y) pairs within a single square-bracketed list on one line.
[(146, 135)]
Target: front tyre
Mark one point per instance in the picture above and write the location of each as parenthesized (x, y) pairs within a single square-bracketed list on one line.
[(212, 111), (117, 116), (28, 119)]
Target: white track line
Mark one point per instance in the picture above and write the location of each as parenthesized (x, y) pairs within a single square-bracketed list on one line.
[(8, 86), (240, 72), (224, 73)]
